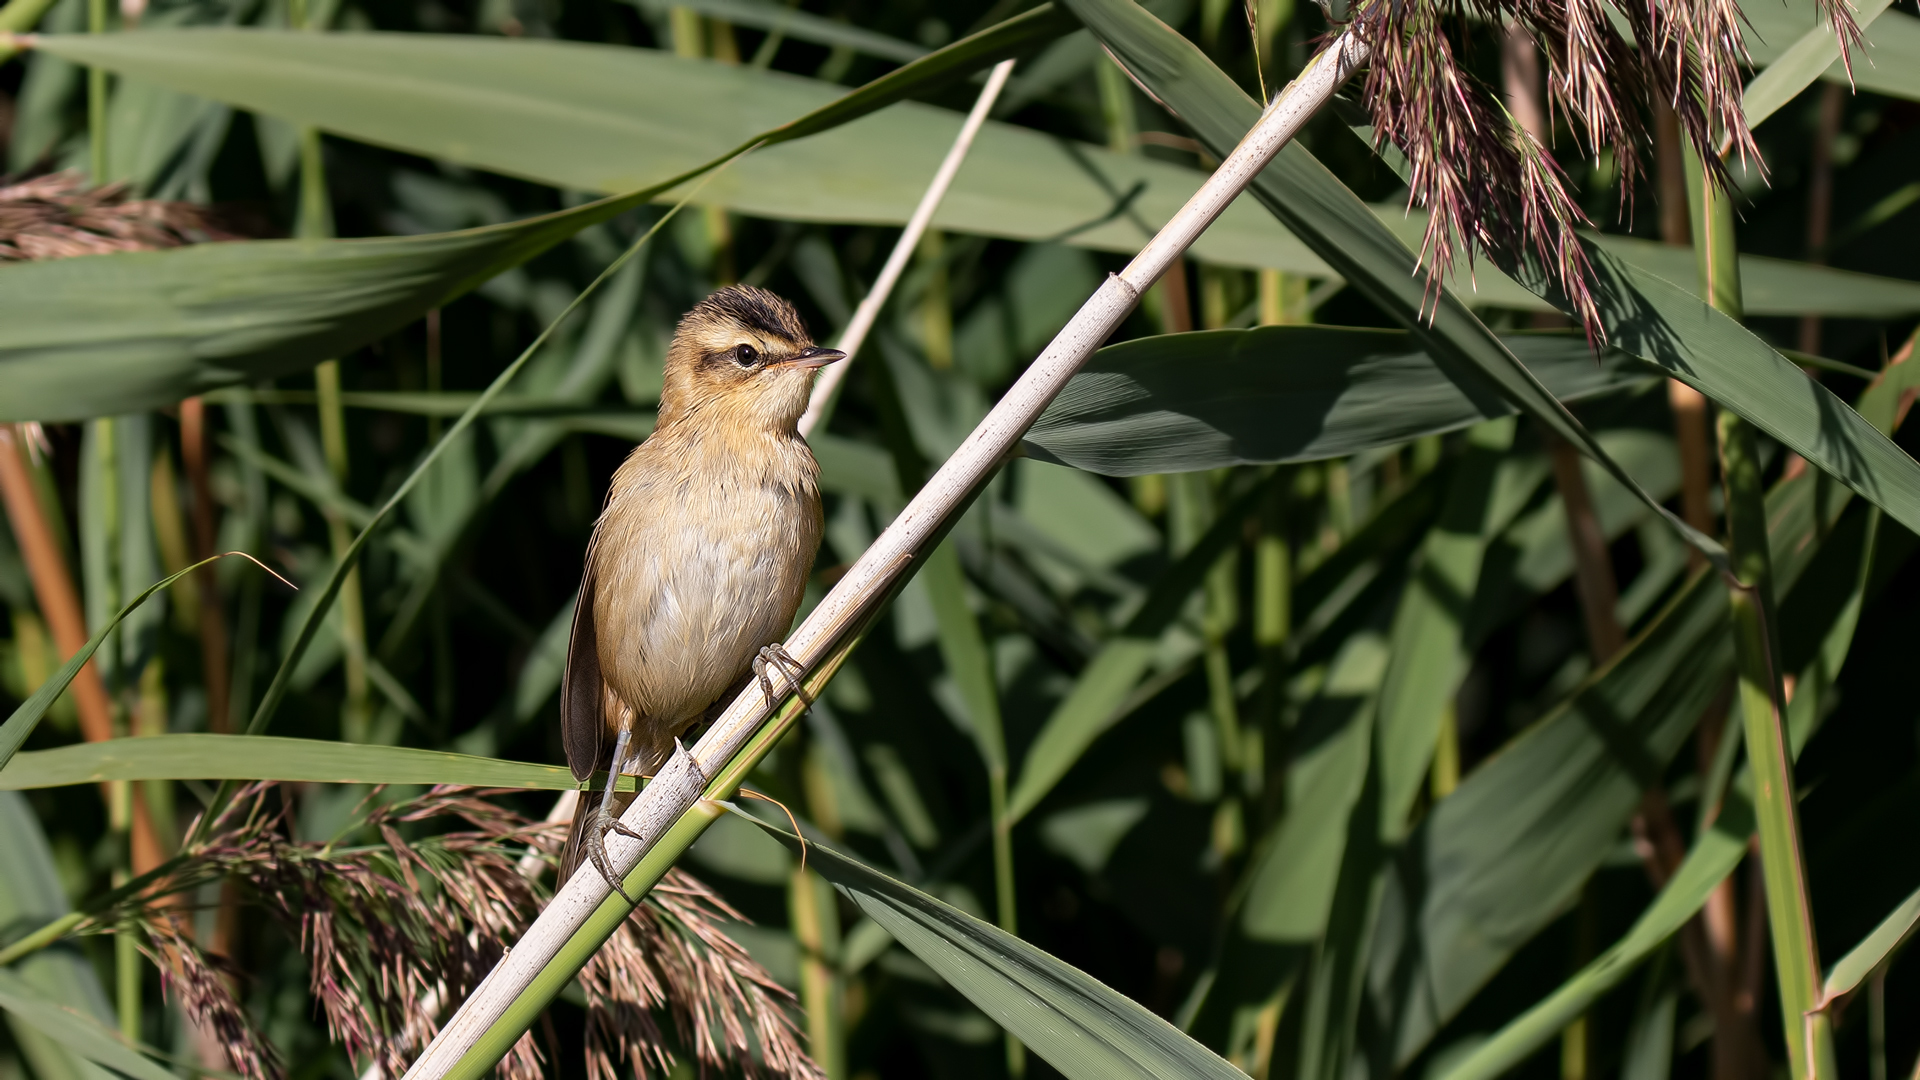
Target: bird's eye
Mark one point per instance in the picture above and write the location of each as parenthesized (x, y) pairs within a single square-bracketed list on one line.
[(745, 355)]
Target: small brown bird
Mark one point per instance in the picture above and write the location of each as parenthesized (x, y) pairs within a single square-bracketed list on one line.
[(698, 562)]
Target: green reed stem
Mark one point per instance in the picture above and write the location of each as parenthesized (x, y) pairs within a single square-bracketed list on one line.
[(1796, 954)]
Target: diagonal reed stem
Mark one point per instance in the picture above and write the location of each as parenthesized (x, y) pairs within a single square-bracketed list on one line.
[(827, 389), (820, 404), (665, 804)]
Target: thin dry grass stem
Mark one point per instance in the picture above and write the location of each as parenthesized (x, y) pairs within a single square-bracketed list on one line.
[(58, 216), (388, 926), (1259, 65), (747, 793), (1486, 184)]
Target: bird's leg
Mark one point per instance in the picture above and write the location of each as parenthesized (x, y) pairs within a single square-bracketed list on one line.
[(604, 820), (777, 657)]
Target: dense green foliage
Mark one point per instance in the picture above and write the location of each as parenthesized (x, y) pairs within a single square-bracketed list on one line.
[(1279, 646)]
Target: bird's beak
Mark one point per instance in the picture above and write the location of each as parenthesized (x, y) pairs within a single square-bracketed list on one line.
[(814, 357)]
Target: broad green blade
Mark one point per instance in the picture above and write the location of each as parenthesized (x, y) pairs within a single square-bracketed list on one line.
[(612, 119), (1771, 286), (266, 757), (1659, 321), (1093, 704), (1714, 856), (1648, 316), (1332, 220), (794, 23), (31, 896), (119, 333), (1796, 47), (964, 651), (1852, 969), (1282, 393), (1799, 64), (1467, 928), (1081, 1027), (20, 16), (1507, 852), (1428, 650), (75, 1030), (1300, 891), (132, 331)]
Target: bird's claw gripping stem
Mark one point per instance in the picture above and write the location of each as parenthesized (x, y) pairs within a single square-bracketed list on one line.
[(605, 822), (777, 657), (596, 843)]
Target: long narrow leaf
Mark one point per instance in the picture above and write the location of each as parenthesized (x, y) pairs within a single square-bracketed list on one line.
[(1852, 969), (30, 896), (1715, 855), (796, 24), (28, 716), (82, 1034), (610, 119), (1081, 1027), (1652, 318), (1282, 393), (1800, 64), (1091, 706), (1507, 852), (1661, 322), (1332, 220), (1794, 528), (1889, 64), (125, 332), (265, 757), (1428, 643)]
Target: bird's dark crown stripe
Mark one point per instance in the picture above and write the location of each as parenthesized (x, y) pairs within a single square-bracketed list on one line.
[(757, 309)]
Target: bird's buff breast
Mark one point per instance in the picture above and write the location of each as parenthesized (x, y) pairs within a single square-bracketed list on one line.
[(692, 580)]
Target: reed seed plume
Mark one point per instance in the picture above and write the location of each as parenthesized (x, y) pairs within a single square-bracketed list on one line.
[(389, 924), (57, 216), (202, 985), (736, 1012), (1487, 186)]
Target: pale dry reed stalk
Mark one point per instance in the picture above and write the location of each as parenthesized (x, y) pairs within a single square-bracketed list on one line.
[(681, 783), (855, 335)]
